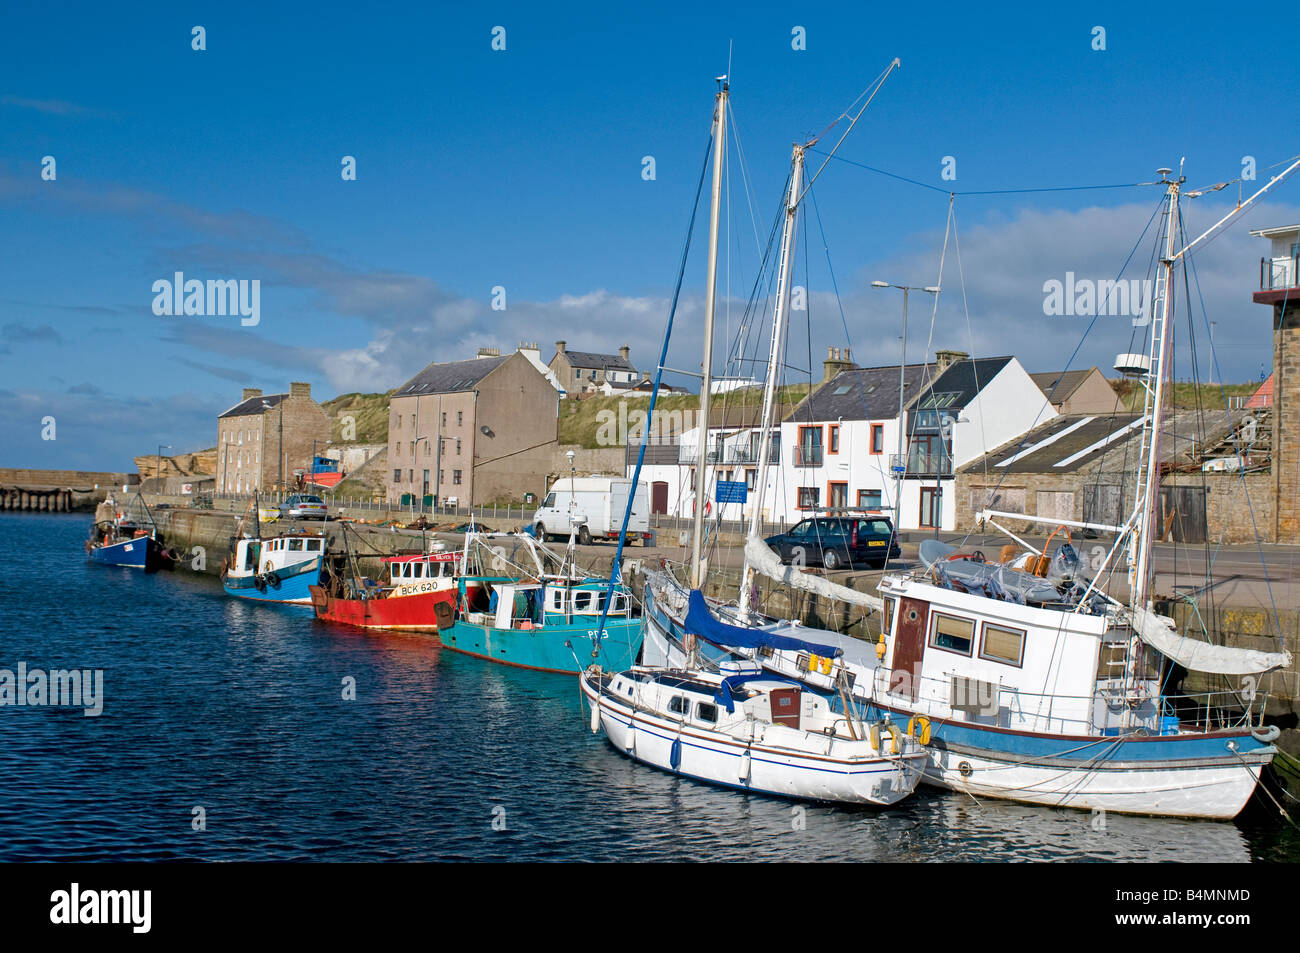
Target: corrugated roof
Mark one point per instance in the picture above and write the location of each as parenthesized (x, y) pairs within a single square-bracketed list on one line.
[(592, 360), (450, 377), (254, 405), (862, 393)]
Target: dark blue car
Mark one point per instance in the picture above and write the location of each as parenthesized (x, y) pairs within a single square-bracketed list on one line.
[(838, 542)]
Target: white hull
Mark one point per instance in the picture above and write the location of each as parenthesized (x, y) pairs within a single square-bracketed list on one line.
[(753, 766)]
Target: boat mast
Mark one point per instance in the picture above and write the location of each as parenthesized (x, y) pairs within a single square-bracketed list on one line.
[(1148, 489), (774, 362), (710, 300)]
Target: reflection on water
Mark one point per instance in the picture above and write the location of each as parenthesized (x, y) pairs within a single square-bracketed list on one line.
[(239, 709)]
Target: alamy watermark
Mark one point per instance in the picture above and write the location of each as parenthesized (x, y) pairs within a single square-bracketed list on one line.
[(57, 688), (211, 298), (1087, 297)]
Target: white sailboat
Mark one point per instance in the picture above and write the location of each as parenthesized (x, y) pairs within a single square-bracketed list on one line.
[(1033, 684), (730, 723)]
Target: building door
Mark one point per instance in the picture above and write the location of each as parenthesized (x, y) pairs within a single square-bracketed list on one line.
[(1055, 504), (1181, 516), (931, 506), (659, 497), (909, 647)]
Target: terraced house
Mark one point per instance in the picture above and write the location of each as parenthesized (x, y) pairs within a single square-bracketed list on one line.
[(473, 432), (588, 372)]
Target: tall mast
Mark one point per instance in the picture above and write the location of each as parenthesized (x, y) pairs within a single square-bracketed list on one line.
[(710, 293), (1148, 490), (774, 362)]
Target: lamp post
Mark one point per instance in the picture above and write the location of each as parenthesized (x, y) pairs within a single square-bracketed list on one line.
[(900, 465)]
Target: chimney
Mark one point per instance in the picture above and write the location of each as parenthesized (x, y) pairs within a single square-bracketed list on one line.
[(299, 389), (489, 352), (250, 392), (624, 351), (836, 361), (559, 347), (946, 359), (645, 375)]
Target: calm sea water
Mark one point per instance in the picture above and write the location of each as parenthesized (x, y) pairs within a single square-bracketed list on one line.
[(238, 709)]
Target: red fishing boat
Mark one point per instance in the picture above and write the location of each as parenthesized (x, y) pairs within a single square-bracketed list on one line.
[(420, 594)]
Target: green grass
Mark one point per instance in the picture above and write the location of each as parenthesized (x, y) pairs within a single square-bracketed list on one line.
[(369, 413), (1184, 395)]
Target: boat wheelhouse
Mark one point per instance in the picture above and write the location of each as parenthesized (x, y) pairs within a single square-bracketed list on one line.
[(275, 569), (419, 596)]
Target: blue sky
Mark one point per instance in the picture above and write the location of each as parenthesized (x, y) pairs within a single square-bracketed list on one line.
[(522, 168)]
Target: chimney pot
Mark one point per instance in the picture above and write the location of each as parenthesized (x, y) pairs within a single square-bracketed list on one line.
[(251, 392), (559, 347)]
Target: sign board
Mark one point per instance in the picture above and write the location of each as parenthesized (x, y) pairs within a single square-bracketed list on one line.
[(899, 469), (731, 491), (187, 487)]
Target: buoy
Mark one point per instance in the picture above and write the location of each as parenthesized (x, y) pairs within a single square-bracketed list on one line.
[(675, 754)]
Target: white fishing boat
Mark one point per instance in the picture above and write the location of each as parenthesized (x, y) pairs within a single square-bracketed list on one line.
[(727, 723), (1035, 682)]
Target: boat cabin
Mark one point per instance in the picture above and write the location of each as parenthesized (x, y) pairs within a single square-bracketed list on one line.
[(410, 575), (259, 556), (528, 604)]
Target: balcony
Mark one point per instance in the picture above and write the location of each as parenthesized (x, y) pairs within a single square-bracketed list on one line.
[(807, 456), (1278, 280), (921, 462)]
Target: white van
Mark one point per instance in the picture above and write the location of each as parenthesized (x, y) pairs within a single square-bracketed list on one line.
[(595, 507)]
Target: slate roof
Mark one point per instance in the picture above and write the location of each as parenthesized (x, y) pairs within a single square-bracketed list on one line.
[(594, 361), (254, 405), (450, 377), (960, 382), (862, 393), (1057, 386)]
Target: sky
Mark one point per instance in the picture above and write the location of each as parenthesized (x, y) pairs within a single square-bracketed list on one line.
[(524, 169)]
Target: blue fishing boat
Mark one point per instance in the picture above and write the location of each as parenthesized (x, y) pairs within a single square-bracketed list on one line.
[(127, 539), (548, 621), (276, 569)]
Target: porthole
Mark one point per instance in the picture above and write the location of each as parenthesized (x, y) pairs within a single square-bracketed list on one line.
[(965, 769)]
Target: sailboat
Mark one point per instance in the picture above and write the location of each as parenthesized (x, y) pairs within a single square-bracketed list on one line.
[(1033, 684), (725, 720)]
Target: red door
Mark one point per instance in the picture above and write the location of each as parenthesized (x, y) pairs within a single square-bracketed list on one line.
[(659, 497), (909, 646), (785, 706)]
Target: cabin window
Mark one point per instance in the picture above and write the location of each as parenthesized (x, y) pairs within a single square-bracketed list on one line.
[(417, 570), (557, 600), (803, 662), (581, 601), (620, 604), (313, 545), (677, 705), (706, 712), (1002, 644), (295, 545), (446, 569), (887, 623), (951, 633)]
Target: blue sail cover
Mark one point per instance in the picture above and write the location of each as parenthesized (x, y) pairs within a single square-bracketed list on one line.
[(700, 621), (724, 697)]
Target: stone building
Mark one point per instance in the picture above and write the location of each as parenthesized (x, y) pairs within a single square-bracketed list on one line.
[(478, 431), (586, 371), (1279, 287), (265, 437), (1078, 392)]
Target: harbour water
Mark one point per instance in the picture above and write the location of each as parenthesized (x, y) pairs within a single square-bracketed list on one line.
[(238, 710)]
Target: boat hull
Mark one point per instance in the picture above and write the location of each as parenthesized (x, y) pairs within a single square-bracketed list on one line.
[(544, 647), (142, 552), (416, 613), (723, 760), (291, 585)]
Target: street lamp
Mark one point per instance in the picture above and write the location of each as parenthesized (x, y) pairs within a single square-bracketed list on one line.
[(158, 473), (900, 466)]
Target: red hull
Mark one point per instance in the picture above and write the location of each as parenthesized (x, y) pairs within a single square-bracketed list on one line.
[(417, 613)]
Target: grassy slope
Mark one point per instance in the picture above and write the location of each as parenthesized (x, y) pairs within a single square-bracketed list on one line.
[(369, 412), (1184, 395)]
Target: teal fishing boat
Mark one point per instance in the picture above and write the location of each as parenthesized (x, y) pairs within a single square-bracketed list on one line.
[(545, 621)]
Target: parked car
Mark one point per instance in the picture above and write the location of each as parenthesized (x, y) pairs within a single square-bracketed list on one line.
[(304, 506), (836, 542)]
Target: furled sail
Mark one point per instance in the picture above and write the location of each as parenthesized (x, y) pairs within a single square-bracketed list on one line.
[(700, 621), (761, 557), (1160, 633)]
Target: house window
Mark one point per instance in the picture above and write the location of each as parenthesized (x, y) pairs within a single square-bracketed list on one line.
[(951, 633), (1002, 644), (397, 425), (808, 452), (877, 438), (399, 448), (460, 418), (837, 494), (455, 477), (869, 499), (751, 479), (458, 446), (444, 418), (808, 497), (833, 440), (410, 476)]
